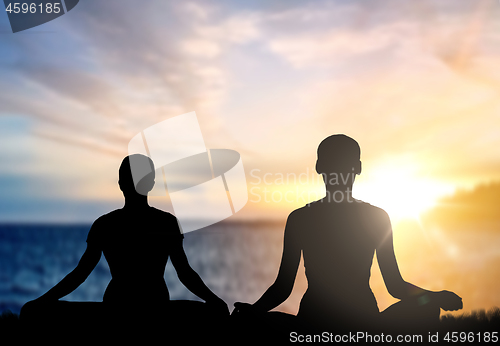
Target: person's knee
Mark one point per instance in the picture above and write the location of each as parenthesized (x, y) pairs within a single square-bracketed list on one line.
[(410, 313), (26, 311), (430, 311)]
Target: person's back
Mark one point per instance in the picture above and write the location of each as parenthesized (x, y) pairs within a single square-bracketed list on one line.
[(136, 244), (338, 242)]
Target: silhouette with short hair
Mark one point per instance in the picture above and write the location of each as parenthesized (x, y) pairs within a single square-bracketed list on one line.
[(338, 237), (137, 241)]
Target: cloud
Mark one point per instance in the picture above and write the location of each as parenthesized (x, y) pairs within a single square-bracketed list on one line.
[(266, 80), (380, 76), (108, 82), (89, 90), (166, 51), (327, 49), (474, 210)]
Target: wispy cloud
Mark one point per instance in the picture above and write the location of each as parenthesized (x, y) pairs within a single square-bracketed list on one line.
[(270, 81)]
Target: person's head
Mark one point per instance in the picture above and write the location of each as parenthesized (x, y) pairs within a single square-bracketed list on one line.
[(136, 175), (338, 154)]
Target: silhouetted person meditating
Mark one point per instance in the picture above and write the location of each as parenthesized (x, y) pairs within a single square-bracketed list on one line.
[(137, 241), (338, 237)]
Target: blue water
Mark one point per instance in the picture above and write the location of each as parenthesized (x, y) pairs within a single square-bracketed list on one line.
[(238, 261)]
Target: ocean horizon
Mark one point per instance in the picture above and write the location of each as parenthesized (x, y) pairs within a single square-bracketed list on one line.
[(238, 260)]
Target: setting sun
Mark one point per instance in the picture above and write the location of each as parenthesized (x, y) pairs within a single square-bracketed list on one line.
[(400, 190)]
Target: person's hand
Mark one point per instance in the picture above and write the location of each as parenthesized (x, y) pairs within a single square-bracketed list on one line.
[(448, 300), (219, 307)]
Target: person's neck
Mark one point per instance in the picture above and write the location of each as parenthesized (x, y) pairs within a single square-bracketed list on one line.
[(339, 193), (136, 202)]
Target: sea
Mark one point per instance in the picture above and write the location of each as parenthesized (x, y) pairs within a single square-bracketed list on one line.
[(238, 261)]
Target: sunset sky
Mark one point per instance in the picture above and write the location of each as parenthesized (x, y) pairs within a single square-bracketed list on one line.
[(415, 83)]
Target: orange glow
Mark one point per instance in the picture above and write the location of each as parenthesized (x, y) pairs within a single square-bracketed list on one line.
[(400, 190)]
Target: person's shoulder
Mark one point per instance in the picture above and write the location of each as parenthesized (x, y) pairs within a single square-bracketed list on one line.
[(308, 211), (300, 217), (108, 217), (369, 208), (163, 214), (372, 213), (300, 212), (101, 226), (168, 221)]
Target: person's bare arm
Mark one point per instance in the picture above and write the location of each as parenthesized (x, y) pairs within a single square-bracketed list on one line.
[(75, 278), (282, 287), (394, 282), (189, 278)]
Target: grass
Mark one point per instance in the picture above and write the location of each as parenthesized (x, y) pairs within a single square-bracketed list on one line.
[(477, 320), (474, 322)]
